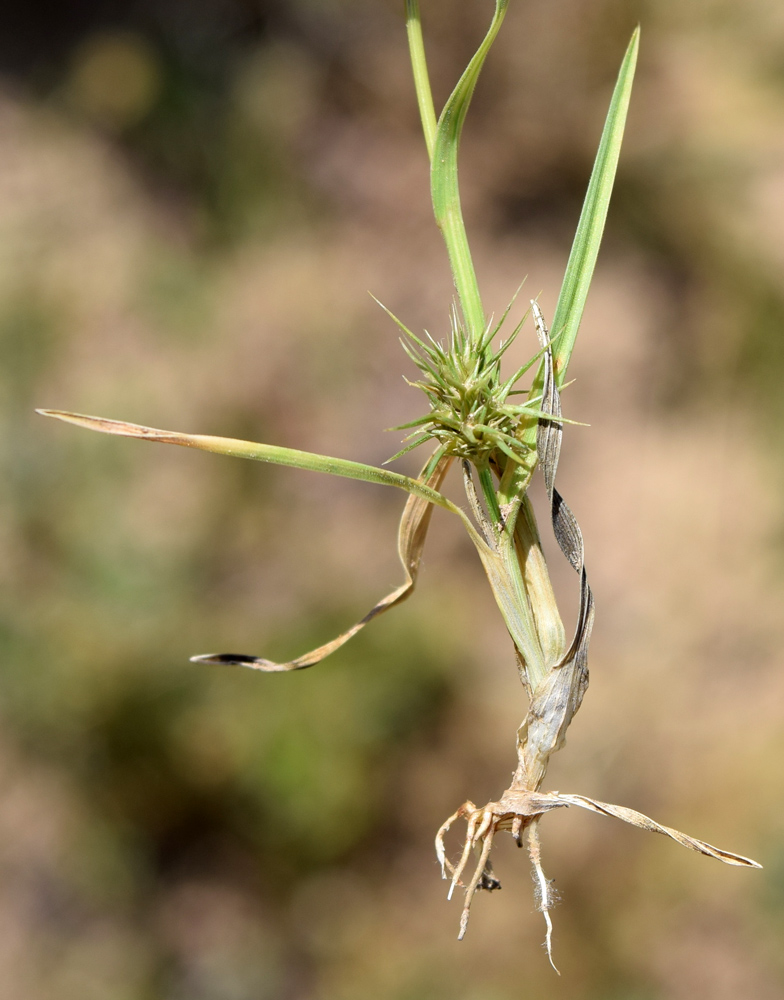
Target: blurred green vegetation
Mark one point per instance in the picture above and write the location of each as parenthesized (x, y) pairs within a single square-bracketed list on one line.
[(193, 205)]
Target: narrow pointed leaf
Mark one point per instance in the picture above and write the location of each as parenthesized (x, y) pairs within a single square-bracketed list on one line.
[(409, 447), (585, 249), (399, 322), (646, 823), (590, 228), (261, 453), (444, 186)]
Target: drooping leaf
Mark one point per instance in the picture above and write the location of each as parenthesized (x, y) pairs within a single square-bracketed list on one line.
[(411, 540), (646, 823), (260, 453)]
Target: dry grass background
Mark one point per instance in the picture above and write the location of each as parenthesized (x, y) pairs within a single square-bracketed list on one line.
[(177, 832)]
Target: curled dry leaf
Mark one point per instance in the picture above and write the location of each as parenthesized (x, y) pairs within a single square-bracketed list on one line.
[(410, 542)]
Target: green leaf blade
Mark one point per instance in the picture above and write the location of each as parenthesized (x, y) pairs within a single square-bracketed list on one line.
[(444, 184), (416, 47), (274, 454), (590, 228)]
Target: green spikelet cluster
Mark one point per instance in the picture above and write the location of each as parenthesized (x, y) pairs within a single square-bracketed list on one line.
[(470, 412)]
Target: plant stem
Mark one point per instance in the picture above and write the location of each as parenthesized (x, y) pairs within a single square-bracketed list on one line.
[(416, 46)]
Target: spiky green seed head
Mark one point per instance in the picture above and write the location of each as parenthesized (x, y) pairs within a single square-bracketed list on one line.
[(470, 412)]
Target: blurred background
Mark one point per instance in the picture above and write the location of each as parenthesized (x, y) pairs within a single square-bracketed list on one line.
[(195, 199)]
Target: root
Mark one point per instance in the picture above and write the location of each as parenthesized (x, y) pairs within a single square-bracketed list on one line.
[(545, 894), (475, 882), (518, 812)]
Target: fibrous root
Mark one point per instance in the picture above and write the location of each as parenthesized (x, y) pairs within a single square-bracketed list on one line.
[(519, 812)]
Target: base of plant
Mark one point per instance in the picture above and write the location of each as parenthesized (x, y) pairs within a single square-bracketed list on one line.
[(518, 811)]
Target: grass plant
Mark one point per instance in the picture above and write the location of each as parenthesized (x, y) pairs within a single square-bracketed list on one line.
[(498, 432)]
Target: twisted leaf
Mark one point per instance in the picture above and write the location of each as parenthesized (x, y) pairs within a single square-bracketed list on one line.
[(646, 823), (411, 540), (555, 701)]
